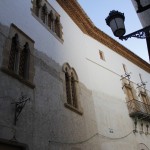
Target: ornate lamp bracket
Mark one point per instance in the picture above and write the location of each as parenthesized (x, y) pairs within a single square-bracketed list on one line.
[(140, 34), (19, 107)]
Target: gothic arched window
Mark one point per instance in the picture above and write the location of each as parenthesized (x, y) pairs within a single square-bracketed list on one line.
[(68, 92), (47, 15), (44, 13), (57, 27), (37, 7), (24, 62), (14, 54), (19, 58), (71, 87), (50, 20), (73, 90)]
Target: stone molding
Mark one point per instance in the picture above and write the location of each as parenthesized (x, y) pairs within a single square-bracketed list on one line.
[(78, 15)]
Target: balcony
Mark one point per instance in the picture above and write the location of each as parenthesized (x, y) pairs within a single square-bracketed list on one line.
[(139, 109)]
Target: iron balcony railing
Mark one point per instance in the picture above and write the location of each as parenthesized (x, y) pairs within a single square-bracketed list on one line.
[(138, 109)]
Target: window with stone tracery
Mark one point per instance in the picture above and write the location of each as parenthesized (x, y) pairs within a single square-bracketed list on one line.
[(51, 20), (18, 59), (37, 7), (71, 89), (46, 15), (57, 27), (24, 61), (14, 54), (71, 81), (68, 89)]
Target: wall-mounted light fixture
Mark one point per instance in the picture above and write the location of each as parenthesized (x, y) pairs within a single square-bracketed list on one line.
[(115, 21)]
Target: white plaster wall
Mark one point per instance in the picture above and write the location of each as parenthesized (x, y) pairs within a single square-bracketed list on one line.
[(75, 49)]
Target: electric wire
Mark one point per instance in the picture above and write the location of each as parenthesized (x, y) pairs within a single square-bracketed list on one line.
[(73, 143), (96, 134), (118, 137)]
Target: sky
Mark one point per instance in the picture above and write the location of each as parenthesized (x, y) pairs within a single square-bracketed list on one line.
[(98, 10)]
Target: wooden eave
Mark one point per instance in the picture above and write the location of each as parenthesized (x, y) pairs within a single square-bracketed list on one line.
[(78, 15)]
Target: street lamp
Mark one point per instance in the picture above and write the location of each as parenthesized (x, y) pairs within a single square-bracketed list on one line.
[(115, 21)]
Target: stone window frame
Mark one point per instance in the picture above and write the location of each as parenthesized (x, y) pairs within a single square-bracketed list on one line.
[(145, 100), (128, 85), (48, 17), (71, 89), (24, 74), (19, 58), (129, 92), (143, 95)]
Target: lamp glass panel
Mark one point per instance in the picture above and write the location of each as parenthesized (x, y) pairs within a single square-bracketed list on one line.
[(117, 26)]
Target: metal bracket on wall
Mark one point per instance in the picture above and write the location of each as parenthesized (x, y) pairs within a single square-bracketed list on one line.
[(126, 76), (140, 7), (142, 84), (19, 107)]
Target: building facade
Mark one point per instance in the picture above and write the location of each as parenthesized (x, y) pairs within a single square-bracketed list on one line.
[(66, 85), (143, 11)]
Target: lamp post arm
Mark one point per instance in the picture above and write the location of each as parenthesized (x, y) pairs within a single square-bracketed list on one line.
[(140, 34)]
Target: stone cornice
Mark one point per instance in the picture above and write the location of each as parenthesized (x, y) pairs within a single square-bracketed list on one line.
[(78, 15)]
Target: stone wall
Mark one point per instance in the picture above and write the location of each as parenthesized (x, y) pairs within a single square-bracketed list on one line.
[(44, 121)]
